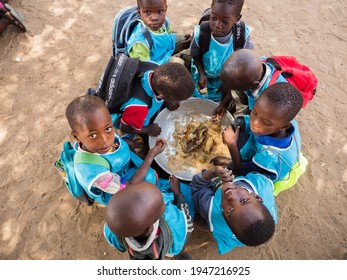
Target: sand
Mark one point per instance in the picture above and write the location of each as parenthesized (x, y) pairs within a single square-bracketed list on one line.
[(66, 48)]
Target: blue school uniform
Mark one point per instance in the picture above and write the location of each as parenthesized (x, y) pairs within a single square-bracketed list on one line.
[(209, 205), (122, 162), (173, 216), (163, 43), (276, 155), (220, 229), (213, 61), (155, 106)]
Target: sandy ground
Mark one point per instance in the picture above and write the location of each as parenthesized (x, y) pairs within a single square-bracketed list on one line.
[(65, 50)]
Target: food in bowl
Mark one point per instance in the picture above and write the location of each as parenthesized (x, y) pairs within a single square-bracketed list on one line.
[(196, 139)]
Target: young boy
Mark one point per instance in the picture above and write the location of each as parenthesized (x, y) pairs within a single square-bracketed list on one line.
[(153, 16), (91, 125), (268, 141), (241, 212), (206, 65), (150, 222), (170, 82), (244, 71)]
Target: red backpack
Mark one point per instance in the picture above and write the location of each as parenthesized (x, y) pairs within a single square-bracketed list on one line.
[(295, 73)]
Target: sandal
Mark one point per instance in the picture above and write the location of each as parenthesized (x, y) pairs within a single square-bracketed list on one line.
[(18, 19)]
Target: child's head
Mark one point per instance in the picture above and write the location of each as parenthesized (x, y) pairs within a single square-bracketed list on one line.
[(246, 215), (133, 211), (224, 14), (274, 109), (91, 123), (172, 82), (152, 12), (243, 70)]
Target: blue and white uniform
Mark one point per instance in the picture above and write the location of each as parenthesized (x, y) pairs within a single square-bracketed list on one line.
[(209, 205), (180, 221), (163, 43), (122, 162), (275, 155), (213, 60)]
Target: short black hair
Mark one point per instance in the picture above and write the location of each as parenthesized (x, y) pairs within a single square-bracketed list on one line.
[(258, 232), (174, 81), (82, 105), (141, 1), (238, 4), (286, 97)]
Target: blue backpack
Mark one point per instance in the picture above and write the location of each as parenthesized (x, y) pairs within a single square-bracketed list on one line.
[(65, 165), (123, 25)]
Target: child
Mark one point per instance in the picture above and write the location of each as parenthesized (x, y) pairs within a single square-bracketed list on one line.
[(206, 66), (153, 15), (150, 222), (268, 141), (8, 15), (170, 82), (241, 212), (91, 125), (244, 71)]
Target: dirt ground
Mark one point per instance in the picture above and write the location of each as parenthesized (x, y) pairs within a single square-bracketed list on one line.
[(65, 50)]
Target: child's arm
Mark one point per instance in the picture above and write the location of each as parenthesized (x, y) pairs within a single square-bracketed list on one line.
[(133, 119), (230, 139), (139, 50), (142, 171), (181, 203), (152, 129), (202, 76), (219, 112)]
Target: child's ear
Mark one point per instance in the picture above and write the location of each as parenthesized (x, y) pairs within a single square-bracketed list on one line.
[(239, 17), (286, 126), (74, 135)]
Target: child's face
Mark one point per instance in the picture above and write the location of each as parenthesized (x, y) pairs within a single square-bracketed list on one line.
[(96, 131), (267, 119), (153, 13), (222, 19), (239, 206)]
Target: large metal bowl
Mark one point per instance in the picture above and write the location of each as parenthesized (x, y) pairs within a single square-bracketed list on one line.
[(166, 120)]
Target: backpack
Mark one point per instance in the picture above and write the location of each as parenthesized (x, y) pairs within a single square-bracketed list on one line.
[(121, 81), (297, 74), (123, 25), (65, 165), (238, 30)]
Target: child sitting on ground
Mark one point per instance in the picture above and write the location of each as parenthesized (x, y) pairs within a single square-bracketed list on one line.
[(241, 212), (91, 125), (150, 222), (268, 141), (164, 41), (170, 82), (206, 65), (245, 71)]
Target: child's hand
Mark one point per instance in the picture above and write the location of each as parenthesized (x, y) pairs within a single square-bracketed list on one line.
[(152, 130), (202, 82), (218, 113), (220, 161), (229, 136), (224, 174), (175, 185), (159, 147), (172, 106), (187, 40)]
